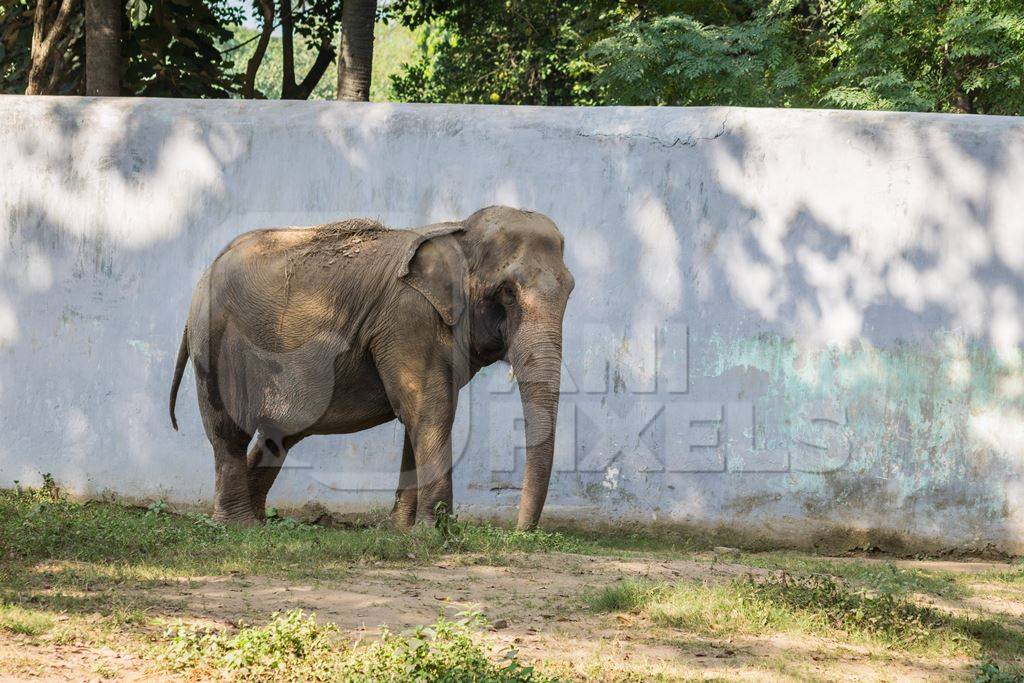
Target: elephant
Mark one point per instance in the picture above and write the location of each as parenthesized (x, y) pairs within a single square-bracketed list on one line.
[(337, 328)]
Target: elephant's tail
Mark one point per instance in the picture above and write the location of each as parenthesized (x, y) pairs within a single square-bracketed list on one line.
[(179, 370)]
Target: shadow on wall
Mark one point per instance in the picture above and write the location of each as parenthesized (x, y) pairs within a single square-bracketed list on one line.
[(871, 262)]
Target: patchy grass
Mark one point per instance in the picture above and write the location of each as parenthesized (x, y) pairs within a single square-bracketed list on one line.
[(883, 577), (26, 622), (111, 577), (627, 596), (294, 646), (814, 605), (1014, 576)]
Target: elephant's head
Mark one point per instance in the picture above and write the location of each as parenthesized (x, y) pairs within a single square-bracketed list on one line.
[(509, 290)]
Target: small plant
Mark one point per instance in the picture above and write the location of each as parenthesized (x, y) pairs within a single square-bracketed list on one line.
[(287, 642), (157, 508), (274, 518), (446, 523), (49, 490), (989, 672)]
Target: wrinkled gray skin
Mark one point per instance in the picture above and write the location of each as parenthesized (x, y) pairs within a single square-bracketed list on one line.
[(342, 327)]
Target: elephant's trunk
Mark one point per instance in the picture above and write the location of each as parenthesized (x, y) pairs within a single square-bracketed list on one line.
[(536, 358)]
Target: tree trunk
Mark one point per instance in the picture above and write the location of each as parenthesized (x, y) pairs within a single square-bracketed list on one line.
[(103, 48), (290, 88), (253, 65), (355, 58), (48, 45), (287, 52)]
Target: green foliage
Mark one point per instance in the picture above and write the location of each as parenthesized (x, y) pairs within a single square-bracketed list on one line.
[(287, 644), (914, 55), (990, 672), (444, 651), (928, 55), (294, 646), (507, 51), (169, 48), (677, 59)]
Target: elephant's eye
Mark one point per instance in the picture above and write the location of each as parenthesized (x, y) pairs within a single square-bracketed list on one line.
[(506, 294)]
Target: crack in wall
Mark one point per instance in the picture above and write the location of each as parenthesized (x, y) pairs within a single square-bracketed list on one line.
[(687, 141)]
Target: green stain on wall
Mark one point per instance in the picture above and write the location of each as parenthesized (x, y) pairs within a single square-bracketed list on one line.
[(939, 424)]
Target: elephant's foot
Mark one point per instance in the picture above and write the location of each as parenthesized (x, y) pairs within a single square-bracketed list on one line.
[(403, 514), (259, 509), (403, 519), (238, 519)]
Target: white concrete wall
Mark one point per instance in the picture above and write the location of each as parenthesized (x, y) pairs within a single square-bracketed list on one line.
[(786, 322)]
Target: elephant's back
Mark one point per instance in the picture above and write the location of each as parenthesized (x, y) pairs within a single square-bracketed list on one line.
[(286, 286)]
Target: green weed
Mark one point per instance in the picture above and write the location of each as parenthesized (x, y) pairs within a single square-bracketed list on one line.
[(990, 672)]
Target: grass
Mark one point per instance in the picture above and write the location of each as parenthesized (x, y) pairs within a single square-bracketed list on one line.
[(294, 646), (26, 622), (882, 576), (815, 605), (42, 525), (76, 572)]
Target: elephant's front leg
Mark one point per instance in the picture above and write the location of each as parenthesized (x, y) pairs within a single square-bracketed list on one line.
[(404, 512), (432, 450), (426, 406)]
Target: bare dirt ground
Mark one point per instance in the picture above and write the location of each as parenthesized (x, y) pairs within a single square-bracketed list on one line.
[(535, 605)]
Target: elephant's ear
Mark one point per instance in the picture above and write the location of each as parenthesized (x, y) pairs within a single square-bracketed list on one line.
[(436, 268)]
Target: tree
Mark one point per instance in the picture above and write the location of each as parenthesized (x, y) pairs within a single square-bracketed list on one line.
[(915, 55), (252, 67), (511, 51), (50, 38), (355, 54), (172, 48), (753, 58), (168, 48), (313, 22), (102, 47), (928, 55)]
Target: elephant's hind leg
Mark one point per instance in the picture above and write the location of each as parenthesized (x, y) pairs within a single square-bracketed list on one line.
[(404, 512), (264, 463), (231, 503)]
